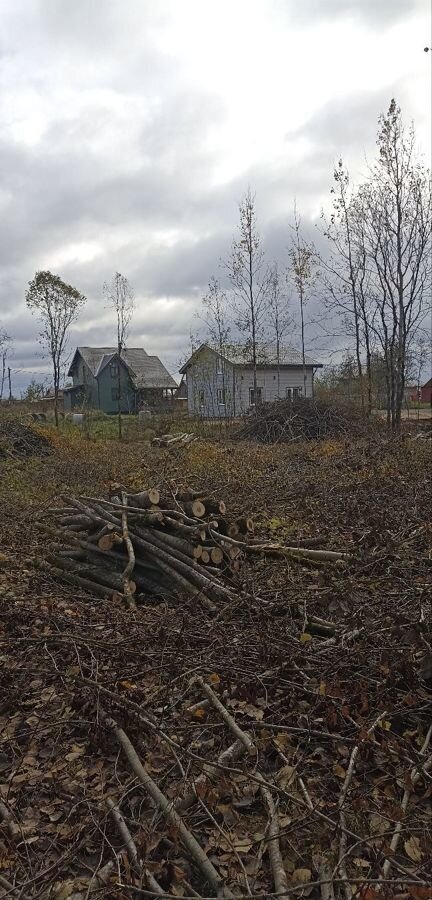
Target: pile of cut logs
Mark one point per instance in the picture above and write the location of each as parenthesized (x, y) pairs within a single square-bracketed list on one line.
[(142, 545)]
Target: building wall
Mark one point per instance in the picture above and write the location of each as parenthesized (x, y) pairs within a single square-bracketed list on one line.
[(210, 379), (81, 375), (108, 385), (271, 388)]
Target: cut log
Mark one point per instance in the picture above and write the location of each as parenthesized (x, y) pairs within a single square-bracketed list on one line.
[(246, 525), (188, 494), (144, 499), (233, 530), (217, 556), (197, 551), (195, 509), (233, 552), (205, 557), (107, 541), (214, 507)]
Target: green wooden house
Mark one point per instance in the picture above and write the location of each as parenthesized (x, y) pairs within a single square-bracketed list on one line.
[(95, 371)]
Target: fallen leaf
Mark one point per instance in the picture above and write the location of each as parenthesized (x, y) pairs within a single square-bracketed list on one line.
[(199, 713), (412, 849), (339, 771), (128, 685), (322, 689), (254, 712), (285, 776), (214, 679), (302, 875), (305, 637), (362, 863)]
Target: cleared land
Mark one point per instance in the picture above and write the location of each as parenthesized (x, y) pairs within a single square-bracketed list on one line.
[(324, 673)]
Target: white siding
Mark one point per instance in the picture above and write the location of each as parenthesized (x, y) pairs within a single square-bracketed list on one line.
[(206, 376), (267, 380)]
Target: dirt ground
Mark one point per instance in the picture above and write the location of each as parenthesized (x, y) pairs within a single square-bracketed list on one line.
[(328, 792)]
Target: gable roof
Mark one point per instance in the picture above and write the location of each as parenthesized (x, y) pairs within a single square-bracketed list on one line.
[(145, 371), (239, 355)]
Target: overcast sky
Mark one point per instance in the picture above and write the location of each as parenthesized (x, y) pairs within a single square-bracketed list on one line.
[(129, 130)]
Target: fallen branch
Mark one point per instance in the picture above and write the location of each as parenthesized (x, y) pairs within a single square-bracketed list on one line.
[(414, 777), (131, 556), (125, 834), (274, 852), (188, 840)]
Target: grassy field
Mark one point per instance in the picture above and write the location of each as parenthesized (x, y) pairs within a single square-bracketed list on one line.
[(305, 699)]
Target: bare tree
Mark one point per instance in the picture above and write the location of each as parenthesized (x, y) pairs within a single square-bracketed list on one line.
[(215, 304), (249, 278), (5, 347), (279, 316), (395, 206), (119, 295), (301, 257), (345, 275), (57, 305)]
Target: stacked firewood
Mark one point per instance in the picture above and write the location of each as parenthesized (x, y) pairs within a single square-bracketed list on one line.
[(143, 545)]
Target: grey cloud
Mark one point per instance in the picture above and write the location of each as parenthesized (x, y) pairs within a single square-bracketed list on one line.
[(379, 12)]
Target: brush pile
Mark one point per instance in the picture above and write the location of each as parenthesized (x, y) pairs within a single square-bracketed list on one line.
[(298, 420), (19, 441), (138, 546)]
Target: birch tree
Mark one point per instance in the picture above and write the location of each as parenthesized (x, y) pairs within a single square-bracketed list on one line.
[(301, 258), (57, 306), (280, 320), (119, 295), (345, 276), (5, 346), (249, 278), (395, 217)]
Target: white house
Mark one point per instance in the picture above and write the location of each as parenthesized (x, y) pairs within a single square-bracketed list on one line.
[(221, 385)]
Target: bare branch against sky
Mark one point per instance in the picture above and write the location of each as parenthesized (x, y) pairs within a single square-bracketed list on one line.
[(125, 143)]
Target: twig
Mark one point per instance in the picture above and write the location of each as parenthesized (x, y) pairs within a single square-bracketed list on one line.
[(414, 777), (131, 555), (187, 838), (341, 864), (326, 884), (245, 739), (276, 862), (125, 834)]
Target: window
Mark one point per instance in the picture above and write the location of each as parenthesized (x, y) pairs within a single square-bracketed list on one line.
[(288, 394), (114, 370), (297, 392), (115, 394), (254, 401), (201, 398), (221, 396)]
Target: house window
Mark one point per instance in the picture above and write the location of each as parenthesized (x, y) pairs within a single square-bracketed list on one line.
[(221, 396), (114, 370), (297, 392), (288, 394), (255, 400), (201, 398), (115, 395)]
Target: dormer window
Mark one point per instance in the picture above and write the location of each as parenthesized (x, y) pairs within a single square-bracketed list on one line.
[(114, 370)]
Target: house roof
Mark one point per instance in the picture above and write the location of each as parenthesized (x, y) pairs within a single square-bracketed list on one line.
[(145, 371), (428, 384), (239, 355)]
